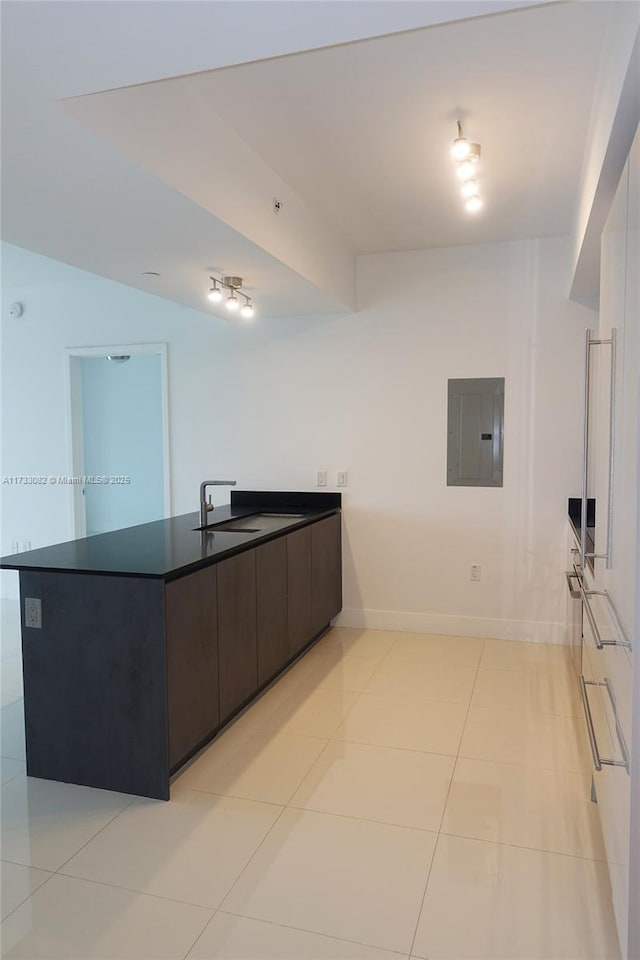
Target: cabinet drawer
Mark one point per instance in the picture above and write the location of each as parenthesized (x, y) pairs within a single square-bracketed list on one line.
[(237, 639), (271, 614), (299, 589), (192, 661)]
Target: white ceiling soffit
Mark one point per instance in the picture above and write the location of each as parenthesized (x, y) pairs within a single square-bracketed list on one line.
[(72, 197), (356, 138), (72, 48)]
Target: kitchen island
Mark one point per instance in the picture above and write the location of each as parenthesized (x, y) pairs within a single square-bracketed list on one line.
[(147, 641)]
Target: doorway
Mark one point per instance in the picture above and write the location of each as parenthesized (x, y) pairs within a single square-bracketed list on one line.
[(119, 437)]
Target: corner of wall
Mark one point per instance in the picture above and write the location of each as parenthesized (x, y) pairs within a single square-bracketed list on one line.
[(614, 118)]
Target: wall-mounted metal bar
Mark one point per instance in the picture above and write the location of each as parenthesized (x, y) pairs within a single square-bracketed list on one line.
[(625, 641), (612, 443), (595, 753), (590, 617), (598, 761), (589, 343), (619, 732)]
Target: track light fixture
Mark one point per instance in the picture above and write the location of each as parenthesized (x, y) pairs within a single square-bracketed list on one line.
[(215, 293), (231, 287), (467, 155)]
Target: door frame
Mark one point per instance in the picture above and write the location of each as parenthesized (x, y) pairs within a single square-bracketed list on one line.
[(75, 454)]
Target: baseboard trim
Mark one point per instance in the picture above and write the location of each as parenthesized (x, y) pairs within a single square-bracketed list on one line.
[(535, 631)]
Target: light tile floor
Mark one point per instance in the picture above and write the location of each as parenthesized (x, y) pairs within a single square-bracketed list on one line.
[(393, 796)]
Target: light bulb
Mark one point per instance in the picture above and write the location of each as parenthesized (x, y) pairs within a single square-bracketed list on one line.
[(215, 295), (247, 311), (470, 188), (232, 302), (473, 204), (465, 170), (460, 148)]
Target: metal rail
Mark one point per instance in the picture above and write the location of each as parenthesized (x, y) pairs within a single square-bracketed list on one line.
[(589, 343), (598, 761)]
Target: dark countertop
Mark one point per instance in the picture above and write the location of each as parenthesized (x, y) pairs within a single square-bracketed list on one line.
[(168, 549)]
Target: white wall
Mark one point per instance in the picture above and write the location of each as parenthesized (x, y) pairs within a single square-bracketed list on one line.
[(269, 404)]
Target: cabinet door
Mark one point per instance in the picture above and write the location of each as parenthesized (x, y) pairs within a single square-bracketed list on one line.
[(192, 661), (237, 643), (271, 590), (326, 572), (299, 589)]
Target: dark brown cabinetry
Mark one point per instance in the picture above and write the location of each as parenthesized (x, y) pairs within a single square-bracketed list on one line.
[(271, 608), (237, 636), (326, 572), (127, 677), (299, 589), (192, 661)]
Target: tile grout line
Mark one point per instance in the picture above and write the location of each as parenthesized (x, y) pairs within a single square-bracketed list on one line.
[(348, 816), (304, 777), (29, 895), (137, 893), (251, 858), (13, 776), (316, 933), (97, 834), (444, 807), (231, 796), (219, 909), (522, 846), (209, 921), (284, 808)]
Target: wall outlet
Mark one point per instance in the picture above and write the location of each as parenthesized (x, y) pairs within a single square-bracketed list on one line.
[(321, 478), (33, 612), (342, 478), (475, 572)]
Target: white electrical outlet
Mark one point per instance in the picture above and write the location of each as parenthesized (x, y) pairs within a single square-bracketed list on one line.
[(321, 478), (475, 572), (33, 612), (342, 478)]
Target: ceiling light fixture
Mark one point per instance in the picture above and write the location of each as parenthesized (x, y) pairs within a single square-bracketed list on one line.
[(467, 155), (473, 204), (461, 146), (215, 293), (232, 303), (466, 170)]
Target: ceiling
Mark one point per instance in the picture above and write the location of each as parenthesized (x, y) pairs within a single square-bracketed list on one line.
[(355, 135), (362, 132)]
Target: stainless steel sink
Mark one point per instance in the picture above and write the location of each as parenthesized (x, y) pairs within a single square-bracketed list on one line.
[(255, 523)]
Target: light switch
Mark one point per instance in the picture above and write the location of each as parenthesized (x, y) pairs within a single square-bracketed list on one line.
[(321, 478), (342, 478)]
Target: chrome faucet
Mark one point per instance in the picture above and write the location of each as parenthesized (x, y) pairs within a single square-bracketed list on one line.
[(207, 506)]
